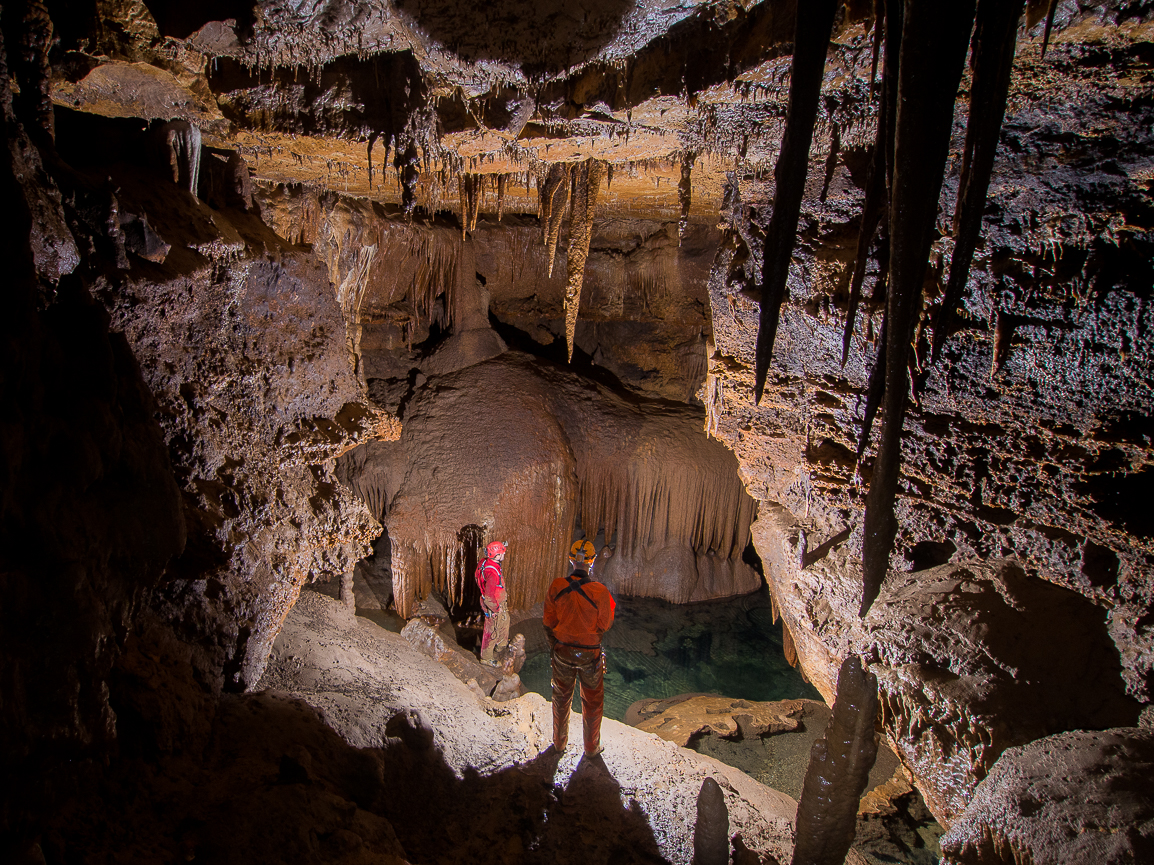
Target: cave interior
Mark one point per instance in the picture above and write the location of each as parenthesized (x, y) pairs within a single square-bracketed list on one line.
[(845, 301)]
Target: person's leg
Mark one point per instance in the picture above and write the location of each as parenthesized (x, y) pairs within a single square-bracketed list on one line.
[(564, 679), (487, 639), (593, 702), (501, 627)]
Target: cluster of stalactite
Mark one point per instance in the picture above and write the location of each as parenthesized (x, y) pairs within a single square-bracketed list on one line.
[(472, 188), (922, 49), (648, 503), (536, 530), (576, 184), (653, 502), (422, 267)]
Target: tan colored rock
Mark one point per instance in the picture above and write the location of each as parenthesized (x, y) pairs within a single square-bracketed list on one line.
[(977, 658), (120, 89), (652, 478), (722, 716)]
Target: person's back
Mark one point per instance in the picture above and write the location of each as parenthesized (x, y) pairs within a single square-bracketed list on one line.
[(578, 610)]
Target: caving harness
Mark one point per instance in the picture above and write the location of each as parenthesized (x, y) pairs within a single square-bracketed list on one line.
[(575, 584)]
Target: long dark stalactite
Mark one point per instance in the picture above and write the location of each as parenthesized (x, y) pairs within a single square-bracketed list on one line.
[(811, 42), (993, 63), (933, 52), (879, 175)]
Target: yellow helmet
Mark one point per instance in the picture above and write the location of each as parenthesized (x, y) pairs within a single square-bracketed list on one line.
[(582, 552)]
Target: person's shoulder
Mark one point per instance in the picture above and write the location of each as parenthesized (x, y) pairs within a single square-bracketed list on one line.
[(556, 586)]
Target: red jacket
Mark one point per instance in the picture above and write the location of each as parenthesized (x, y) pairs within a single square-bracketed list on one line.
[(580, 615), (491, 581)]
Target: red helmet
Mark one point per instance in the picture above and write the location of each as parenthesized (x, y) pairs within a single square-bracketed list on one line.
[(495, 549)]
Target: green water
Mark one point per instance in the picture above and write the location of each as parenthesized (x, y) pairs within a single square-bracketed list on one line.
[(656, 649)]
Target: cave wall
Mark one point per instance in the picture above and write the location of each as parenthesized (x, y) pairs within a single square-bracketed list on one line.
[(643, 314), (90, 512), (1028, 438)]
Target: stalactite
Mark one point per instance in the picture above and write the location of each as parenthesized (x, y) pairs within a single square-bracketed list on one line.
[(879, 29), (839, 767), (788, 648), (874, 392), (1049, 26), (811, 42), (1003, 334), (372, 141), (470, 188), (934, 40), (182, 143), (649, 502), (406, 163), (831, 159), (501, 178), (556, 194), (684, 193), (872, 212), (586, 180), (993, 62)]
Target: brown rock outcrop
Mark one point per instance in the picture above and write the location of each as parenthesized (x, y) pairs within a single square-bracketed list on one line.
[(243, 345), (1075, 797), (722, 716)]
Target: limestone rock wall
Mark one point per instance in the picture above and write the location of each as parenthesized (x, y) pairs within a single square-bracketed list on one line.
[(643, 317), (1026, 439), (90, 513)]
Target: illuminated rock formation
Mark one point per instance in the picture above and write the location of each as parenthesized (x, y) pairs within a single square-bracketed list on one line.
[(667, 497)]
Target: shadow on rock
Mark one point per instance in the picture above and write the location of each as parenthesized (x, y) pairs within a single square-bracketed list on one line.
[(528, 813)]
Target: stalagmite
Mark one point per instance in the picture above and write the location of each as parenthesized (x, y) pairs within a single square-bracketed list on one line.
[(839, 767), (711, 830), (811, 41), (934, 41), (993, 62), (586, 180)]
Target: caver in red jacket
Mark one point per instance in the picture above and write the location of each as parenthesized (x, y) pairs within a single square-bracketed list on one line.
[(578, 610)]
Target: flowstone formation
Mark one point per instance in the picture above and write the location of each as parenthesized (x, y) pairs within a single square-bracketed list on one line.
[(516, 450)]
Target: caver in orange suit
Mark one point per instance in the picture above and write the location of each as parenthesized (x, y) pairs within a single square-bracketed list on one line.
[(578, 610)]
